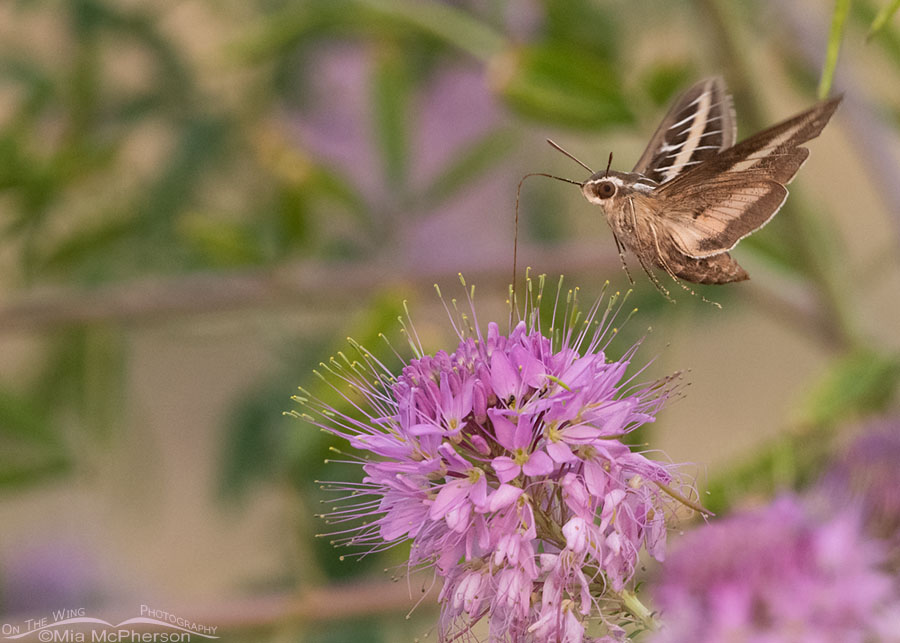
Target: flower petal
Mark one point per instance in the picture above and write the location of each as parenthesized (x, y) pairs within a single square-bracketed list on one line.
[(596, 479), (451, 495), (502, 497), (560, 452), (504, 430), (530, 369), (478, 490), (455, 461), (539, 464), (524, 432), (425, 429), (505, 467), (613, 417), (576, 533), (504, 378)]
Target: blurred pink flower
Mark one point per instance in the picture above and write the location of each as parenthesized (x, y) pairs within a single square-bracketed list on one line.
[(867, 477), (776, 574)]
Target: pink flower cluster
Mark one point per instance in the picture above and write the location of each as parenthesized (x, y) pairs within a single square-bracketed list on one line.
[(777, 574), (504, 464), (867, 477)]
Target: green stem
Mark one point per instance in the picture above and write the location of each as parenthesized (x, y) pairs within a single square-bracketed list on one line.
[(547, 529), (886, 13), (641, 612), (838, 21), (803, 229), (687, 502)]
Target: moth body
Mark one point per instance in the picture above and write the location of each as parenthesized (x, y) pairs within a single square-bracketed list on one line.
[(638, 224)]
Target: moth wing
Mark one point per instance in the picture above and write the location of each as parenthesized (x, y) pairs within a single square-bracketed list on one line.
[(699, 124), (729, 211), (710, 208)]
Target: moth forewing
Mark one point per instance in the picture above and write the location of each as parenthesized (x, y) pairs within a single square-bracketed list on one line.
[(700, 123), (711, 208)]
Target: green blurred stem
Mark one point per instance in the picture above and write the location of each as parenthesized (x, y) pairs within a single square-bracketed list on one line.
[(822, 273), (451, 25), (838, 21), (886, 13), (636, 607)]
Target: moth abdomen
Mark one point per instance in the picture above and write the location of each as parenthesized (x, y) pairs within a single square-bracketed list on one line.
[(718, 269)]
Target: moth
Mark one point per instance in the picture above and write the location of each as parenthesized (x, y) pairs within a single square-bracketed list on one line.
[(694, 193)]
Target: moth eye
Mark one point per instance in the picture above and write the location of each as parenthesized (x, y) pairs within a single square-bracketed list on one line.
[(605, 190)]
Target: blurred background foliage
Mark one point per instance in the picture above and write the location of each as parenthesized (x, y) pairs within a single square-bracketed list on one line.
[(262, 179)]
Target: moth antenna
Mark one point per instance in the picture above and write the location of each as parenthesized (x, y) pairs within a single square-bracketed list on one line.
[(558, 148), (518, 194), (608, 165)]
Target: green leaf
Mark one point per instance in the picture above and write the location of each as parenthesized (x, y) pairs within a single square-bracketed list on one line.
[(201, 142), (293, 217), (585, 25), (255, 440), (860, 383), (101, 382), (391, 93), (539, 217), (888, 40), (433, 21), (447, 23), (835, 35), (336, 187), (22, 419), (90, 244), (85, 370), (790, 462), (473, 161), (220, 243), (662, 81), (18, 474), (31, 448), (561, 85), (887, 12)]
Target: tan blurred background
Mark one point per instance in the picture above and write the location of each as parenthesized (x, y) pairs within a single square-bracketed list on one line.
[(201, 199)]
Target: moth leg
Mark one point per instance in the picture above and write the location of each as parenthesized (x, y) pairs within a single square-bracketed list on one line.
[(665, 266), (648, 270), (621, 250)]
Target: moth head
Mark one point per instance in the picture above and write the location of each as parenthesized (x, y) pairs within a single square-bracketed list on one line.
[(601, 190), (609, 188), (605, 188)]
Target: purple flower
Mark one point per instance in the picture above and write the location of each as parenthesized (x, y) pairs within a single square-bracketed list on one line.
[(776, 574), (867, 477), (503, 463)]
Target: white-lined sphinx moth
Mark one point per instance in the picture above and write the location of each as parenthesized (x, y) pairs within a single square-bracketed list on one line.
[(694, 193)]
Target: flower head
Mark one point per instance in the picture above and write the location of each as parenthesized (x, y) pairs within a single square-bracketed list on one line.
[(503, 463), (776, 574)]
